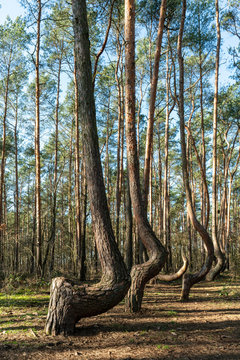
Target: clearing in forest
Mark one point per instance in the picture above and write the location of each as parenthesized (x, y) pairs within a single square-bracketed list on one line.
[(207, 327)]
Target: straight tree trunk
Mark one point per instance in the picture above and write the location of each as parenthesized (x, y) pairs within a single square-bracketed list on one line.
[(69, 304), (52, 236), (37, 150), (3, 161), (16, 190), (119, 146), (140, 274), (165, 186), (77, 240), (70, 210), (83, 268), (129, 229), (160, 202), (153, 91)]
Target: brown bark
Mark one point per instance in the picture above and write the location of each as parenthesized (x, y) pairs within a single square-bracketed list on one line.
[(140, 274), (51, 240), (70, 209), (16, 190), (77, 239), (37, 150), (160, 205), (190, 279), (217, 251), (83, 268), (177, 275), (120, 132), (153, 91), (68, 303), (204, 181), (203, 153), (129, 229), (104, 42), (166, 195), (3, 158), (106, 170)]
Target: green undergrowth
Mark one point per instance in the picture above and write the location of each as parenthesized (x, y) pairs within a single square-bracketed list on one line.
[(23, 300), (23, 308)]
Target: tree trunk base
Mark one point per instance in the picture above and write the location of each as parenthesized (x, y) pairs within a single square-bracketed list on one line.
[(135, 293), (69, 303), (186, 287), (140, 275)]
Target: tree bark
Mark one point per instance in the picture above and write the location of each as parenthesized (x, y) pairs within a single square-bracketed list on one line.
[(68, 303), (51, 240), (217, 251), (3, 159), (129, 229), (153, 91), (190, 279), (83, 268), (176, 275), (16, 267), (37, 150), (77, 239), (140, 274), (119, 83)]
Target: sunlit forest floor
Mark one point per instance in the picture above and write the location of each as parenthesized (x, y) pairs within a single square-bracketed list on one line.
[(207, 327)]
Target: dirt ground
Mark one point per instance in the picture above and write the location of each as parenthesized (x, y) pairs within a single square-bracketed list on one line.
[(205, 328)]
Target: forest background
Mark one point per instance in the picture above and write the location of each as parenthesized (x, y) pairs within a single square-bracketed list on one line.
[(46, 229)]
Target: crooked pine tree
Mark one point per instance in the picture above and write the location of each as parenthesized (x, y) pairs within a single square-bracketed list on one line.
[(68, 302)]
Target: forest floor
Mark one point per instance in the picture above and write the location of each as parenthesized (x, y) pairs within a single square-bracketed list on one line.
[(205, 328)]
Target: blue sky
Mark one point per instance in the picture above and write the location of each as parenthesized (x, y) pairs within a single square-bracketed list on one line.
[(13, 9)]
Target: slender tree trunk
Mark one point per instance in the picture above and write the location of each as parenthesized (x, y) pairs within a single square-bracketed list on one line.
[(129, 229), (70, 210), (153, 91), (217, 251), (165, 186), (77, 240), (140, 274), (33, 243), (203, 153), (16, 190), (106, 170), (52, 236), (120, 120), (190, 279), (37, 150), (83, 268), (160, 203), (3, 161), (69, 304)]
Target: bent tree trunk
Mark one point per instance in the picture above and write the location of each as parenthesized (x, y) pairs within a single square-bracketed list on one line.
[(190, 279), (69, 303), (140, 274), (217, 250), (176, 275)]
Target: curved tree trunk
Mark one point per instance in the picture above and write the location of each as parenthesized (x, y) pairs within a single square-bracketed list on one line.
[(217, 251), (176, 275), (69, 303), (190, 279), (140, 274)]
